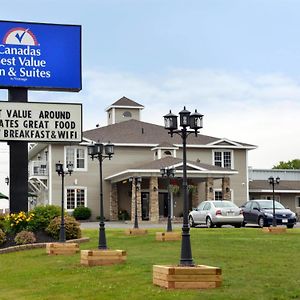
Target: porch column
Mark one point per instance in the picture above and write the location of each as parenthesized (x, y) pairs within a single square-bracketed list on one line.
[(154, 206), (195, 196), (139, 202), (226, 188), (209, 189), (114, 203)]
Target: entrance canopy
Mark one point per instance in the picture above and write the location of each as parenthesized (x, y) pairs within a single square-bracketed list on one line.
[(152, 169)]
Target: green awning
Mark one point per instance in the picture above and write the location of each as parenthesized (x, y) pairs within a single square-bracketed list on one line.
[(2, 196)]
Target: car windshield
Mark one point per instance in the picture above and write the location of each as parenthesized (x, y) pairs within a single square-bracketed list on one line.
[(220, 204), (268, 204)]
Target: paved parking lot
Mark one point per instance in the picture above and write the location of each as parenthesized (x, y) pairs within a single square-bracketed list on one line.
[(95, 225)]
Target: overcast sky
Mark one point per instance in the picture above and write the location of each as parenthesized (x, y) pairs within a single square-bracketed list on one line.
[(237, 62)]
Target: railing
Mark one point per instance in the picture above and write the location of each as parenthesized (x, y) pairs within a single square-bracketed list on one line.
[(38, 168)]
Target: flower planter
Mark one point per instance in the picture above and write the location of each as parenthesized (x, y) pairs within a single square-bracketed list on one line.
[(62, 248), (102, 257), (274, 229), (181, 277), (136, 231), (168, 236)]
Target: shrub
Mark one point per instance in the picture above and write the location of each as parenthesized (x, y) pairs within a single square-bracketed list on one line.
[(82, 213), (2, 237), (43, 215), (18, 222), (123, 215), (25, 237), (72, 228), (2, 221)]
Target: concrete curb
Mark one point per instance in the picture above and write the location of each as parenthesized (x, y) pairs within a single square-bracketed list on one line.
[(38, 245)]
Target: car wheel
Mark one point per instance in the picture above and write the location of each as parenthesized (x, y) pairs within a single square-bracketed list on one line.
[(261, 222), (191, 221), (290, 226), (218, 225), (244, 224), (237, 225), (209, 223)]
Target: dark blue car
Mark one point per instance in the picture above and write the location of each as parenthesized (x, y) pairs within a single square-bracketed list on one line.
[(261, 212)]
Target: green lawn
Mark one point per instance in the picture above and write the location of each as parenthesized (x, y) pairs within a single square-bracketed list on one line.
[(255, 265)]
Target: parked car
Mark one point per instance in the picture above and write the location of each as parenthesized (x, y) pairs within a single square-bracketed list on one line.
[(260, 211), (216, 213)]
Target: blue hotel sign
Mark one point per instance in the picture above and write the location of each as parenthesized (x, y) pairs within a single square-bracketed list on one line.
[(40, 56)]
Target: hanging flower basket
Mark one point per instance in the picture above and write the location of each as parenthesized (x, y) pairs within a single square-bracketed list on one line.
[(174, 188)]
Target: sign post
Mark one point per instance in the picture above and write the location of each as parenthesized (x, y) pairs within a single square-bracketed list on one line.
[(18, 161)]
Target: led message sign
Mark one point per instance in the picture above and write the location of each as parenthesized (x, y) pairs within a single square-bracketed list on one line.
[(40, 122)]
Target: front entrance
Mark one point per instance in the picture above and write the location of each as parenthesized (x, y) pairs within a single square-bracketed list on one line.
[(163, 204), (145, 206)]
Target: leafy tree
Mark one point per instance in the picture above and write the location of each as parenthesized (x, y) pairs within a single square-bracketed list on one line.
[(291, 164)]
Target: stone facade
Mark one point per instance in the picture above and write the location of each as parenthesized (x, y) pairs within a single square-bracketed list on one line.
[(209, 189), (154, 206), (114, 202), (136, 196), (226, 188)]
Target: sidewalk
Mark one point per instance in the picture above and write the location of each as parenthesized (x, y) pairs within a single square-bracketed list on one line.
[(128, 224)]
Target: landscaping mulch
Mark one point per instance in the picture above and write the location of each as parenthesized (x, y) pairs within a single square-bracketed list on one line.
[(41, 237)]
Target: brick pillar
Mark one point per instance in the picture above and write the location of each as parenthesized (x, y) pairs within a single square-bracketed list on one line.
[(226, 188), (195, 197), (154, 206), (209, 189), (114, 205), (139, 202)]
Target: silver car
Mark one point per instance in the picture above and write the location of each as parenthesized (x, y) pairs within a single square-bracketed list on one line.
[(216, 213)]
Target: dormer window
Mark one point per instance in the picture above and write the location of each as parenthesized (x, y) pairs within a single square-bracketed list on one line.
[(127, 114), (167, 153)]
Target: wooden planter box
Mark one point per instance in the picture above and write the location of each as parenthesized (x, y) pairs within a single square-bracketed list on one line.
[(62, 248), (136, 231), (178, 277), (168, 236), (102, 257), (274, 229)]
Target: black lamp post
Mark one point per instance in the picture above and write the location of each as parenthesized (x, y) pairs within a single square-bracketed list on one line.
[(59, 167), (274, 181), (137, 183), (168, 173), (194, 122), (101, 151)]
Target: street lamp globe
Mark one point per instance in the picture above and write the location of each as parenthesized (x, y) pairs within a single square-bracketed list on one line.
[(109, 149), (184, 117), (196, 121), (170, 122)]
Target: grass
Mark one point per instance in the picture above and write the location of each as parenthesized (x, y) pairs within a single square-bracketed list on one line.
[(255, 265)]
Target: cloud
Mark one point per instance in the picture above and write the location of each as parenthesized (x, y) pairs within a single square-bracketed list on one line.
[(259, 109)]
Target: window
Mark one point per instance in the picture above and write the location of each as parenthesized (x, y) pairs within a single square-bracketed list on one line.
[(76, 197), (218, 195), (222, 159), (127, 114), (297, 201), (270, 197), (207, 206), (77, 156), (167, 152)]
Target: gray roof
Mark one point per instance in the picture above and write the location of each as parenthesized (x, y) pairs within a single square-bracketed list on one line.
[(283, 185), (124, 101), (198, 170), (170, 161), (138, 132)]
